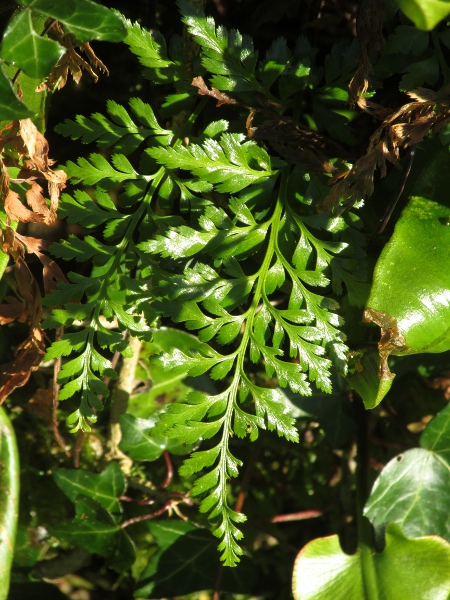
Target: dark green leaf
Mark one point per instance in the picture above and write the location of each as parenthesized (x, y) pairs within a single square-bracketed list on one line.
[(10, 106), (106, 488), (187, 562), (94, 529), (405, 569), (85, 19), (25, 47)]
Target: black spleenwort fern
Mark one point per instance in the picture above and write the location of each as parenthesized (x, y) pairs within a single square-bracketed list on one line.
[(220, 234)]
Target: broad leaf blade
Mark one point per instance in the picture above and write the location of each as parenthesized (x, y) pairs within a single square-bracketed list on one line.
[(187, 562), (85, 19), (11, 108), (425, 14), (138, 442), (9, 499), (105, 488), (95, 530), (414, 569), (413, 489), (26, 48)]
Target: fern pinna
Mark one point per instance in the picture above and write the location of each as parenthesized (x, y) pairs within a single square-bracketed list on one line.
[(216, 226)]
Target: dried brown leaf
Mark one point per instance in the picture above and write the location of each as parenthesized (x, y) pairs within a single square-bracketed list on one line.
[(15, 311), (297, 144), (18, 212), (203, 90), (71, 62), (36, 144), (28, 356), (407, 126), (369, 21)]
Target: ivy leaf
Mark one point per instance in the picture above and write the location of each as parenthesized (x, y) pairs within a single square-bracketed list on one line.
[(138, 442), (425, 14), (27, 49), (178, 540), (85, 19), (9, 501), (105, 488), (419, 481), (95, 529), (11, 107), (400, 571)]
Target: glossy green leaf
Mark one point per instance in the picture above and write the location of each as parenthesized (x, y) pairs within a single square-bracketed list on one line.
[(425, 14), (94, 529), (106, 488), (410, 296), (187, 562), (27, 49), (85, 19), (413, 489), (11, 107), (9, 499), (366, 381), (417, 569)]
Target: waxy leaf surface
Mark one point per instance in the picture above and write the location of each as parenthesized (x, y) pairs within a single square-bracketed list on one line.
[(425, 14), (85, 19), (106, 488), (9, 499), (414, 569), (413, 489), (411, 288)]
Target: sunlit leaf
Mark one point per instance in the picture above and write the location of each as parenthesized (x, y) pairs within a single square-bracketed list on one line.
[(85, 19), (406, 568)]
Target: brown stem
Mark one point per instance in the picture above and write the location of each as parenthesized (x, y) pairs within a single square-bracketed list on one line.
[(169, 466), (119, 404)]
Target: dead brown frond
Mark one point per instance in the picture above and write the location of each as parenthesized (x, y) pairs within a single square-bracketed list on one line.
[(407, 126), (203, 90), (70, 62), (369, 22)]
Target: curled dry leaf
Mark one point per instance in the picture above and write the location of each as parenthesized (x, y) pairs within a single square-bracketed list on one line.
[(27, 308), (27, 357), (22, 140), (28, 354), (203, 90), (70, 61), (407, 126), (298, 145), (369, 23)]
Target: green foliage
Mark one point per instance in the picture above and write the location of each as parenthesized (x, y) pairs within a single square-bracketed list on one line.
[(406, 568), (297, 342), (27, 47), (9, 499), (188, 551), (420, 509), (426, 14), (223, 240)]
